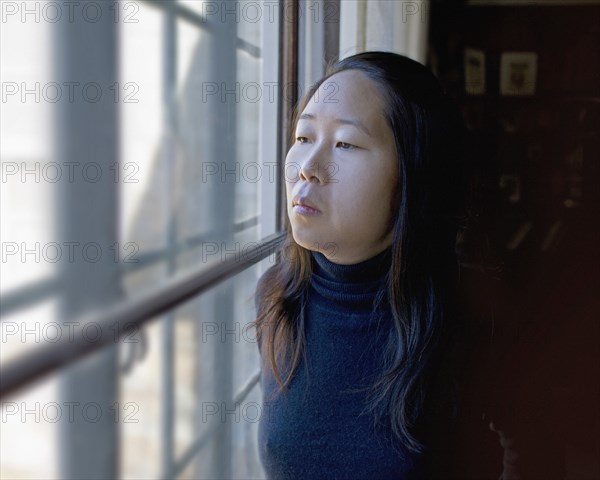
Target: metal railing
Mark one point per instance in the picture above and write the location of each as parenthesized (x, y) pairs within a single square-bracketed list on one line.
[(129, 315)]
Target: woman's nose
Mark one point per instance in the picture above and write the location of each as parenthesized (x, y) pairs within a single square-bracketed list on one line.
[(311, 168)]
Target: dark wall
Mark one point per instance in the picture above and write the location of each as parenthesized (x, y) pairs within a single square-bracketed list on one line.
[(531, 252)]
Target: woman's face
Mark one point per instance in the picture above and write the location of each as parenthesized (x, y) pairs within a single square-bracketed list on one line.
[(343, 164)]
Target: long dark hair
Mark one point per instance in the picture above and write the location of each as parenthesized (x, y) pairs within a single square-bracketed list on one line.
[(429, 206)]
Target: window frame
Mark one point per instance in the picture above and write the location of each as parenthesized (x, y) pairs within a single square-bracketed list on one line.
[(126, 315)]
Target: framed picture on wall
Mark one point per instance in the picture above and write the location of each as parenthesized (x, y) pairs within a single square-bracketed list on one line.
[(474, 64), (518, 73)]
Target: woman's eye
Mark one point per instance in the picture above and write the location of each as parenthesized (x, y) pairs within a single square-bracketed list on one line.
[(345, 146), (301, 139)]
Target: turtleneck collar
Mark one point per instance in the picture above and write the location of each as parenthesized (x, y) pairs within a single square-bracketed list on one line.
[(366, 271), (351, 288)]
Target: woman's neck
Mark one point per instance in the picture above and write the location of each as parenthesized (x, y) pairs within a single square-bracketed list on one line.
[(349, 256), (368, 270)]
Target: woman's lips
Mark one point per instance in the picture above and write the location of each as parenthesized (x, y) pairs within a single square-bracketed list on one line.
[(302, 207)]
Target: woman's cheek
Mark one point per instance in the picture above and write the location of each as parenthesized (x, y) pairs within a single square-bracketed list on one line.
[(332, 172), (291, 169)]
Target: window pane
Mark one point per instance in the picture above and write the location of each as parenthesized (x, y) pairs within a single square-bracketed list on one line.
[(201, 152), (185, 137), (30, 170), (214, 356), (141, 115), (28, 187)]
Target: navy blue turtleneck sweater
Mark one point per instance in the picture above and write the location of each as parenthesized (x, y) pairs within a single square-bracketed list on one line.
[(317, 429)]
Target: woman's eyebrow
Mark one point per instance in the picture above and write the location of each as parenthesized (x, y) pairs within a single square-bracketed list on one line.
[(343, 121)]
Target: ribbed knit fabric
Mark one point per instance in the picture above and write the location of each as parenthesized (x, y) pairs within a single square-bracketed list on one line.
[(316, 430)]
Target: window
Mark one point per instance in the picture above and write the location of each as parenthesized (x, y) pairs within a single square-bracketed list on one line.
[(142, 155)]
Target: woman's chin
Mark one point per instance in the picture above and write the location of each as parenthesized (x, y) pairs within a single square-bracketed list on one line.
[(309, 240)]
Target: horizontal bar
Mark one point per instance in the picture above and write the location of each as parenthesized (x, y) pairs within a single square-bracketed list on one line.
[(181, 11), (200, 21), (40, 290), (248, 47), (127, 316), (200, 442), (246, 388), (153, 256), (29, 295)]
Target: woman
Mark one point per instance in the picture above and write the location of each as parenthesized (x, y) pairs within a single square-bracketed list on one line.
[(357, 325)]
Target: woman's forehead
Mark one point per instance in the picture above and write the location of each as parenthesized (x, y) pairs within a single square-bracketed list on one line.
[(348, 93)]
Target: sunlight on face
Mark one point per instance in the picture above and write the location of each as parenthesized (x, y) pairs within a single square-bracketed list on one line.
[(342, 170)]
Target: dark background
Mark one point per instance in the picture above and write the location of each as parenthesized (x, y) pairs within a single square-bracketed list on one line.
[(535, 300)]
